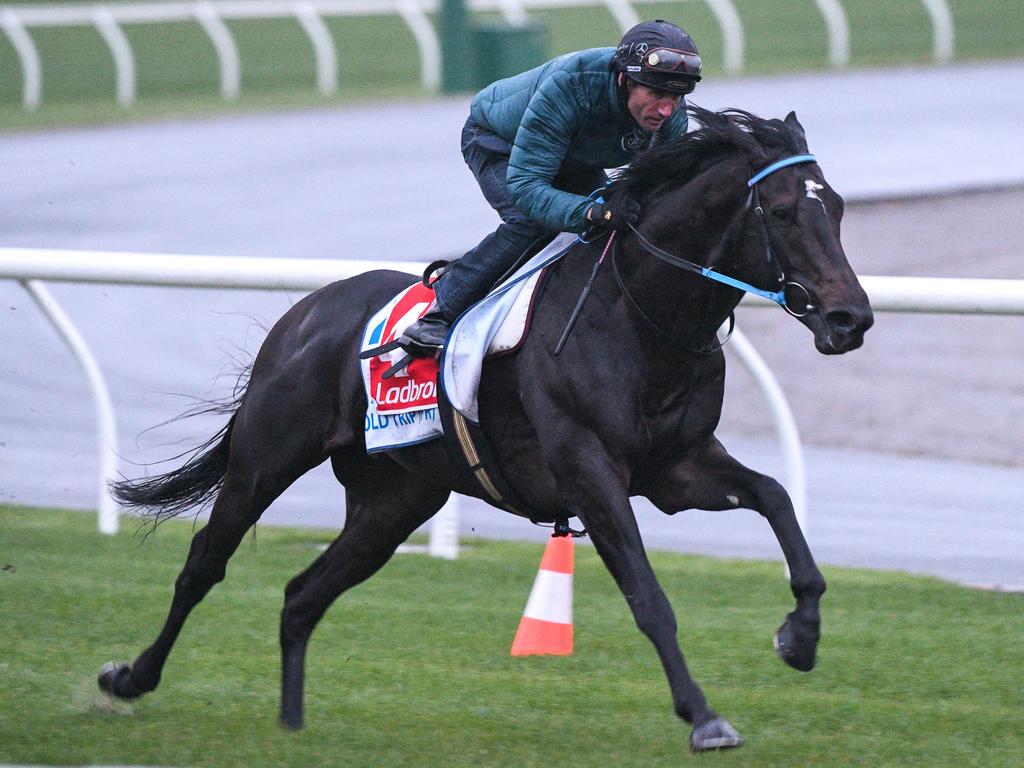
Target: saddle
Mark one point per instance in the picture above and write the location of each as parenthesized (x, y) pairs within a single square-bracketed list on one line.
[(402, 391), (411, 400)]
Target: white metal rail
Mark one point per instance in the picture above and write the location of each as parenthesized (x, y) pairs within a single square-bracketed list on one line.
[(211, 15), (28, 265)]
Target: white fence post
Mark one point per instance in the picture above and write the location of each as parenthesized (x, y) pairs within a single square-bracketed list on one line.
[(838, 32), (105, 425), (785, 424), (227, 52), (732, 33), (942, 29), (444, 531), (513, 12), (323, 46), (32, 71), (426, 40), (124, 62), (624, 13)]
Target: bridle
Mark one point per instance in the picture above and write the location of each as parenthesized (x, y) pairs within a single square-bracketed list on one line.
[(754, 198), (754, 203), (779, 296)]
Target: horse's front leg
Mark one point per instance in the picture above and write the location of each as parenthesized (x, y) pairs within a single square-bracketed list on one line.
[(709, 478), (593, 487)]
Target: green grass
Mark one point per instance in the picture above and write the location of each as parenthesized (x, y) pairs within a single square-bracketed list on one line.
[(412, 668), (378, 58)]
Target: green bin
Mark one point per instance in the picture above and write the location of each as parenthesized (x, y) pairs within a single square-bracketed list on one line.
[(503, 50)]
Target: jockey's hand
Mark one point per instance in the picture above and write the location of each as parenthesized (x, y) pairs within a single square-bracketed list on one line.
[(613, 214)]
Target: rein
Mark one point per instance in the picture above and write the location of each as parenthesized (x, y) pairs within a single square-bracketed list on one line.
[(754, 200), (709, 349)]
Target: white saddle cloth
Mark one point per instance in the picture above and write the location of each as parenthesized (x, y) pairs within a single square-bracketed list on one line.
[(494, 324)]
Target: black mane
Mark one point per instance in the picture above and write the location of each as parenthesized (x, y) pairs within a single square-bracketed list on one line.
[(720, 133)]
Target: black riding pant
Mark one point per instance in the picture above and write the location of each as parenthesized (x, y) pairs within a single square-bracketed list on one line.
[(469, 278)]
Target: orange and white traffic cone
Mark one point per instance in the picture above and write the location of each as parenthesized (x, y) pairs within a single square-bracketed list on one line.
[(546, 626)]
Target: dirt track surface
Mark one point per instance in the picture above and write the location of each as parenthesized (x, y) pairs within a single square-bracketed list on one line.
[(936, 385)]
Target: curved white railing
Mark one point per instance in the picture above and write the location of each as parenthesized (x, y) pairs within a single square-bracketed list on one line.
[(323, 45), (29, 265), (31, 69), (942, 29), (210, 20), (211, 15), (124, 61), (104, 406), (732, 33), (838, 31)]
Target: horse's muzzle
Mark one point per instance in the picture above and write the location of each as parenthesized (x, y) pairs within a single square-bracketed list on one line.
[(844, 329)]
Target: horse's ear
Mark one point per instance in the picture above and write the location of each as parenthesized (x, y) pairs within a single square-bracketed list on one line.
[(792, 122)]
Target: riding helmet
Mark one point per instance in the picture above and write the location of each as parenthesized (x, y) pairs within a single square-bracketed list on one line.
[(660, 55)]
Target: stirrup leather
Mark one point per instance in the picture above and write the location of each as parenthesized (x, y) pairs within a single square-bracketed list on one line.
[(413, 349)]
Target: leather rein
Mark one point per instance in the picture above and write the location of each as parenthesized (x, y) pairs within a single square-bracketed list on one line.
[(779, 296)]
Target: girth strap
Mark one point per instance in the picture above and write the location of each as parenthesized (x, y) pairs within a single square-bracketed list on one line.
[(470, 452)]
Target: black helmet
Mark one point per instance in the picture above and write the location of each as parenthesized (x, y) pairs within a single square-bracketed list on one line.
[(660, 55)]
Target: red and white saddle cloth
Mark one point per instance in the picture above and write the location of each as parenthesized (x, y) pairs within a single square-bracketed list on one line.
[(402, 410)]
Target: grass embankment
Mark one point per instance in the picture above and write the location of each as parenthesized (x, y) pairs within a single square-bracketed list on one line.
[(178, 75), (412, 668)]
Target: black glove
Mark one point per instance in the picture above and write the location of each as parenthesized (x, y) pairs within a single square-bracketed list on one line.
[(616, 213)]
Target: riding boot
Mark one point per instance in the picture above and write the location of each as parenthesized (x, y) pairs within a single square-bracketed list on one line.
[(424, 337)]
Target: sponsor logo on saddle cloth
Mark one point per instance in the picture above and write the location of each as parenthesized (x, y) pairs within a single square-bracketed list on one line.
[(401, 410)]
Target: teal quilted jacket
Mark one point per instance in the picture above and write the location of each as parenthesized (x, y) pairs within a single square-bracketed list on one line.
[(565, 110)]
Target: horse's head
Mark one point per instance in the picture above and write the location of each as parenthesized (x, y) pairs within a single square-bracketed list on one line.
[(742, 196), (796, 211)]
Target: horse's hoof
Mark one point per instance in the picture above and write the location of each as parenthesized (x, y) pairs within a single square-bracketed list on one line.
[(715, 733), (796, 646), (115, 679), (291, 723)]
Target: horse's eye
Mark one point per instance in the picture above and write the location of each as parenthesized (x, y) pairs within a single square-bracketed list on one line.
[(780, 214)]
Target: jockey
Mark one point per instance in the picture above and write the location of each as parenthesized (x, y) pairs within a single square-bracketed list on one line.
[(538, 144)]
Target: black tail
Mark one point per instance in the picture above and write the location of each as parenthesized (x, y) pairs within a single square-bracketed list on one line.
[(194, 483)]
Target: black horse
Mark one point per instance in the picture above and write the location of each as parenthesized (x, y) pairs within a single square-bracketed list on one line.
[(628, 408)]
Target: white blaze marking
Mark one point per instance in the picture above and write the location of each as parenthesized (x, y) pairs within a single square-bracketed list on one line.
[(733, 500), (812, 187)]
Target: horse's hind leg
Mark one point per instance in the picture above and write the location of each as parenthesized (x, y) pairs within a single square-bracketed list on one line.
[(382, 509), (247, 490)]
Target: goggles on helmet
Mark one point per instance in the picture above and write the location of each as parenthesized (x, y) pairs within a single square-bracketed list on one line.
[(670, 60)]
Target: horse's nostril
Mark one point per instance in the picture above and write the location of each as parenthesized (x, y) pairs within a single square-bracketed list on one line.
[(841, 322)]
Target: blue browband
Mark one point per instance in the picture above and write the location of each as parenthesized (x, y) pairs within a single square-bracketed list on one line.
[(794, 160)]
